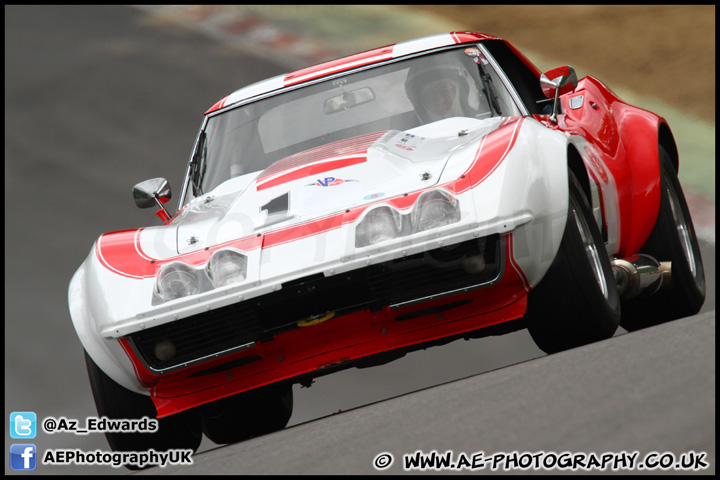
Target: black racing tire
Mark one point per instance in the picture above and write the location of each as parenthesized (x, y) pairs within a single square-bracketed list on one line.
[(577, 302), (179, 431), (248, 415), (673, 239)]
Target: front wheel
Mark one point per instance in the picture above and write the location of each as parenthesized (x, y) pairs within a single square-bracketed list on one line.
[(673, 239), (179, 431), (249, 414), (577, 301)]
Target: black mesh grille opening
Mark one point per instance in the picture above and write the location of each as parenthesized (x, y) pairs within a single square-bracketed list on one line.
[(436, 271), (201, 335)]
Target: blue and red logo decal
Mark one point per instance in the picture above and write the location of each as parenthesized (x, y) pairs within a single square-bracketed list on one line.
[(329, 182)]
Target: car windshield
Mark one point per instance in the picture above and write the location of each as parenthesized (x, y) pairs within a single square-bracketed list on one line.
[(285, 131)]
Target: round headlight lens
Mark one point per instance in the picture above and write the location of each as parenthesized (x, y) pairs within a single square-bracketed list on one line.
[(177, 280), (378, 225), (436, 211), (226, 267)]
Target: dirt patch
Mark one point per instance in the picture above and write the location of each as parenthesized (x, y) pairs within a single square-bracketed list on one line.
[(663, 51)]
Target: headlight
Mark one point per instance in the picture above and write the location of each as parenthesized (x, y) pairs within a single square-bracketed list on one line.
[(226, 267), (379, 224), (178, 280), (435, 209)]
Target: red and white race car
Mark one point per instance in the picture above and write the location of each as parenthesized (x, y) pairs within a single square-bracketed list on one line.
[(348, 213)]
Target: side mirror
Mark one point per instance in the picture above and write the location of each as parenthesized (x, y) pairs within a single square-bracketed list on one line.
[(556, 82), (153, 192)]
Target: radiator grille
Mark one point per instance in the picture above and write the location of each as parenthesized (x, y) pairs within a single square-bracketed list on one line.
[(199, 336), (435, 272)]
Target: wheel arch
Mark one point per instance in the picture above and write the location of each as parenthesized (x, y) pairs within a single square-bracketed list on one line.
[(577, 166), (667, 140)]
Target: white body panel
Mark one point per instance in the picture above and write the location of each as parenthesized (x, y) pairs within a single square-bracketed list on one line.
[(526, 193)]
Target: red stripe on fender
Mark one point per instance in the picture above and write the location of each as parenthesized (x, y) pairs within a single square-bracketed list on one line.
[(120, 253), (492, 151)]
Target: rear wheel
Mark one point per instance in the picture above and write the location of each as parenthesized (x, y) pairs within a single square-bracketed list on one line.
[(577, 301), (673, 239), (249, 414), (180, 431)]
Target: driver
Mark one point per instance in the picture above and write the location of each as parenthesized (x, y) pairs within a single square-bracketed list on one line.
[(438, 91), (440, 98)]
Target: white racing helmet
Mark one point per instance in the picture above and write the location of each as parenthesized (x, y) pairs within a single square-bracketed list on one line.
[(441, 87)]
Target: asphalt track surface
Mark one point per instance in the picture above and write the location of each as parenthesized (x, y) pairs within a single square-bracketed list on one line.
[(99, 98)]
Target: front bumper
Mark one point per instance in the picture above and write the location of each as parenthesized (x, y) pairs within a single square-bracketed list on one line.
[(319, 324)]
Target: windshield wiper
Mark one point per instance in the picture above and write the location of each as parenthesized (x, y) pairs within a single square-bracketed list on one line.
[(489, 89)]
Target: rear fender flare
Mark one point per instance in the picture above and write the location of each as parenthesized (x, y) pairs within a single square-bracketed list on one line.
[(640, 132)]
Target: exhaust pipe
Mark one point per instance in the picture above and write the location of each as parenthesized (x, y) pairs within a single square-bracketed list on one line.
[(640, 276)]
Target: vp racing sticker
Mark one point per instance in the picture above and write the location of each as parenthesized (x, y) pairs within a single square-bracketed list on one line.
[(329, 182)]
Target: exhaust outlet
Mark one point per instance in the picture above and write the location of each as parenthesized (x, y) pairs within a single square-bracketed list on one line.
[(640, 276)]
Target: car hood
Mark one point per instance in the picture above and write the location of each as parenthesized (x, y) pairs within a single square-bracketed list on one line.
[(326, 180)]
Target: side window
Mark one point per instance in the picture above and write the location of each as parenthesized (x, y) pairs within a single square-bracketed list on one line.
[(526, 83)]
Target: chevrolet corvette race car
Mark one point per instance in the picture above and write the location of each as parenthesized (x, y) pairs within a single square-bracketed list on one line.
[(345, 214)]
